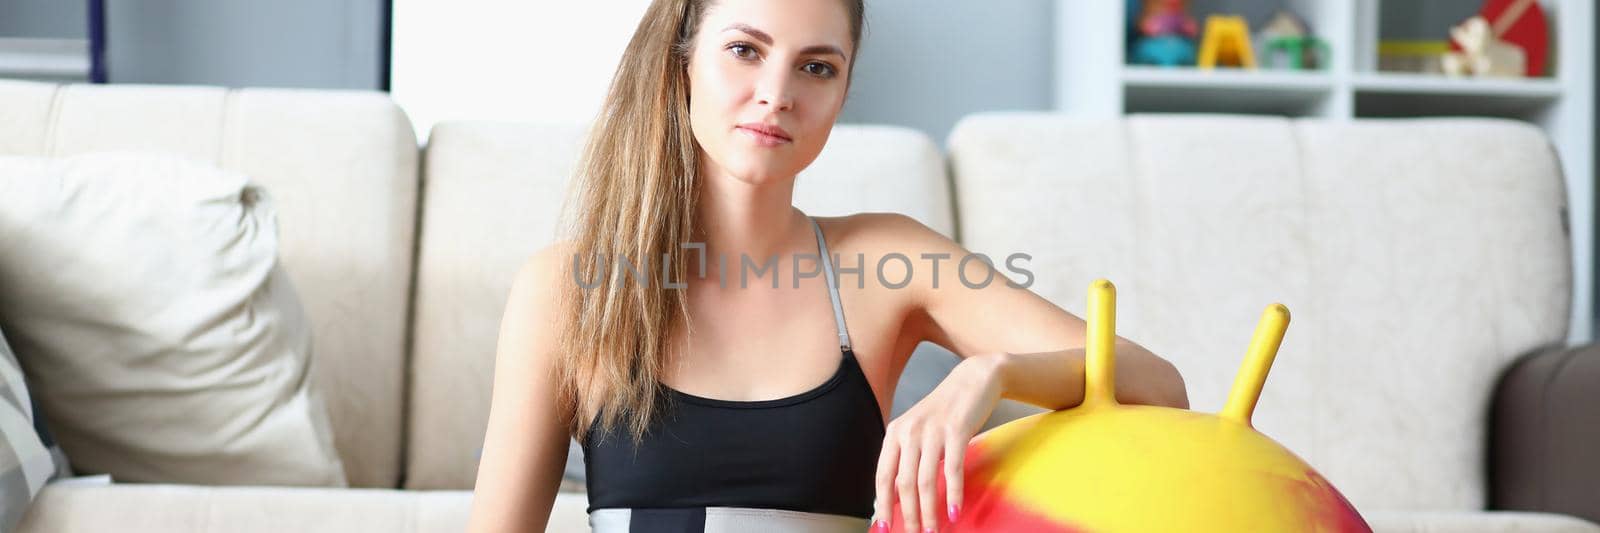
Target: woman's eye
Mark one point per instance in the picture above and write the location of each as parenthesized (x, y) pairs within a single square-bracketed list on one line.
[(822, 70), (743, 51)]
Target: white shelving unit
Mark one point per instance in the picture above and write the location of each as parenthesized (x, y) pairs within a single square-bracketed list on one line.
[(1092, 79)]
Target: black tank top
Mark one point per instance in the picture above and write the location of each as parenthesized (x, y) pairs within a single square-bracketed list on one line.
[(814, 452)]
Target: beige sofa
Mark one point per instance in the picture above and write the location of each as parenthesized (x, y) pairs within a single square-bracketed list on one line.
[(1420, 259)]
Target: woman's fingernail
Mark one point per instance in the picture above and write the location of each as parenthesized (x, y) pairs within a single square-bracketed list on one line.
[(955, 512), (880, 526), (927, 530)]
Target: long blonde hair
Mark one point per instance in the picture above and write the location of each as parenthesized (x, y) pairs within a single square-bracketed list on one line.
[(634, 197)]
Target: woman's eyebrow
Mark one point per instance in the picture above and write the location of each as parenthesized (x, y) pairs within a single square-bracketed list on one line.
[(767, 40)]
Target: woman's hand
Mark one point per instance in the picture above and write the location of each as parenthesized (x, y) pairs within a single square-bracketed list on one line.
[(936, 429)]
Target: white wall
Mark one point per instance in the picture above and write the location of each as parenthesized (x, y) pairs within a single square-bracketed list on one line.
[(52, 19), (328, 44), (322, 44), (506, 59), (926, 63)]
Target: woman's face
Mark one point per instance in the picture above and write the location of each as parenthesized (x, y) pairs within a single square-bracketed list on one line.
[(767, 79)]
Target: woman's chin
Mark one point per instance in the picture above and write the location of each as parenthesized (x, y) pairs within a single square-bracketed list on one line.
[(760, 176)]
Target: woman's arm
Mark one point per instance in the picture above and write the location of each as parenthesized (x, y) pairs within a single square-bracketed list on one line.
[(1054, 380), (1041, 344), (525, 447), (1013, 344)]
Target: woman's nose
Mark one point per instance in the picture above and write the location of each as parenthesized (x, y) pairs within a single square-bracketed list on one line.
[(773, 90)]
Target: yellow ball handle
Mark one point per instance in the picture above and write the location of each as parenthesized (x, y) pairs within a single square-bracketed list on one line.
[(1257, 362), (1100, 358)]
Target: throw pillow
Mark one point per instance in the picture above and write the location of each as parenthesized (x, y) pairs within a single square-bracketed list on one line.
[(145, 302), (28, 456)]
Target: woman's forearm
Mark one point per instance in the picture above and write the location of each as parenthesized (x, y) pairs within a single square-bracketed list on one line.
[(1055, 380)]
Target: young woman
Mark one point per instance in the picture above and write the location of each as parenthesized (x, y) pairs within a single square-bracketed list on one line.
[(696, 393)]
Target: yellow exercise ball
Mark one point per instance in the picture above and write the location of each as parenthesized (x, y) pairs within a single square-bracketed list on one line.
[(1107, 467)]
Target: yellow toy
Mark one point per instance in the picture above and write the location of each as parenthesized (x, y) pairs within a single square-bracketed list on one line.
[(1226, 41), (1107, 467)]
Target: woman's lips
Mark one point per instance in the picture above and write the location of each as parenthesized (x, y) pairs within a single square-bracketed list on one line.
[(765, 136)]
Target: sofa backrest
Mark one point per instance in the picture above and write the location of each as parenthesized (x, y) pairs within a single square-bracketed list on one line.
[(1417, 257), (492, 197), (342, 168)]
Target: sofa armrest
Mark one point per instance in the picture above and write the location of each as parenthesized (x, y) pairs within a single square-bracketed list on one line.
[(1544, 431)]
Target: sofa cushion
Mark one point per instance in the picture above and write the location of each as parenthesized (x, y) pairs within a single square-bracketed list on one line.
[(1476, 522), (143, 295), (1418, 258), (867, 168), (494, 191), (71, 507), (343, 168)]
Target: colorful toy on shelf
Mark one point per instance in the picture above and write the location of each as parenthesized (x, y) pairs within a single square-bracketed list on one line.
[(1287, 37), (1409, 55), (1107, 467), (1505, 38), (1482, 54), (1167, 17), (1226, 42), (1130, 22), (1166, 51), (1166, 34)]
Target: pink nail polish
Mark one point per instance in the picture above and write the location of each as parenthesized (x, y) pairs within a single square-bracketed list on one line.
[(954, 512), (881, 526), (927, 530)]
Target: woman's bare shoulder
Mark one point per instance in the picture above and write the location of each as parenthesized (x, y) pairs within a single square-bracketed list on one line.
[(880, 233), (551, 255), (541, 271), (533, 304)]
